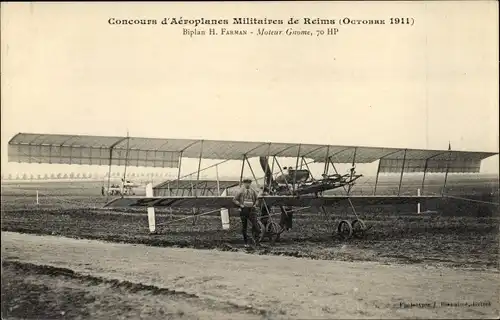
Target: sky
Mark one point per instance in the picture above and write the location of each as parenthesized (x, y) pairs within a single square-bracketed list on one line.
[(66, 70)]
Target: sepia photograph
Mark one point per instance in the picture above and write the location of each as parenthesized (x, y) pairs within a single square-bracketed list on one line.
[(250, 160)]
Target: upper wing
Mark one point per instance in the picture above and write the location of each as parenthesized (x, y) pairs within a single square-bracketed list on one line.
[(166, 153), (289, 201)]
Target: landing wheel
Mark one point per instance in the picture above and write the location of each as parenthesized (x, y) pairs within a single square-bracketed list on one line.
[(273, 228), (358, 228), (273, 231), (344, 229)]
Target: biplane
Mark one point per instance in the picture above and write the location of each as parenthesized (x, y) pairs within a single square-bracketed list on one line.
[(130, 184), (125, 188), (291, 187)]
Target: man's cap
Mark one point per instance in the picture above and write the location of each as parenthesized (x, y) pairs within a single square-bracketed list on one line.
[(247, 180)]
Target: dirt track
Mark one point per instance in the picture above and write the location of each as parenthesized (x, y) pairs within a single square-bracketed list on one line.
[(271, 286)]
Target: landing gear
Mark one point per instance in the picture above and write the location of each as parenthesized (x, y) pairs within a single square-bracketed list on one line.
[(346, 230), (273, 231), (358, 228)]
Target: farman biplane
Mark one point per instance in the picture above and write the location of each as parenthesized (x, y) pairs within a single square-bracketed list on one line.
[(288, 187)]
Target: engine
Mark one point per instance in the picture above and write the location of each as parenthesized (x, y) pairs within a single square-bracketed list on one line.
[(293, 175), (290, 176)]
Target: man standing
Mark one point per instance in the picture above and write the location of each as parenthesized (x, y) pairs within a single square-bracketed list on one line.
[(246, 199)]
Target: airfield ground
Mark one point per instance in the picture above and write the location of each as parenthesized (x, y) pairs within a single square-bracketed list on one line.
[(464, 235)]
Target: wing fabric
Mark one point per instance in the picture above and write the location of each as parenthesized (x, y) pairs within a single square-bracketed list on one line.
[(288, 201), (166, 153)]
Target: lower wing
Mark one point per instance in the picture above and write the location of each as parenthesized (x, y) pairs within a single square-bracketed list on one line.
[(287, 201)]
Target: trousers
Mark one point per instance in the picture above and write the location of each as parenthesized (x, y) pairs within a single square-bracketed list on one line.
[(245, 215)]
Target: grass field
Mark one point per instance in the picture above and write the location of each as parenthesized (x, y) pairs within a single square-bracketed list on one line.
[(463, 233)]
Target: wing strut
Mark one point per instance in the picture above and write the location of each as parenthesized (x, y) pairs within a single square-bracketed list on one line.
[(109, 173), (447, 169), (307, 167), (425, 172), (197, 209), (376, 178), (218, 183), (346, 191), (199, 166), (283, 175), (242, 169), (352, 169), (402, 172), (110, 164), (126, 162), (179, 174)]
